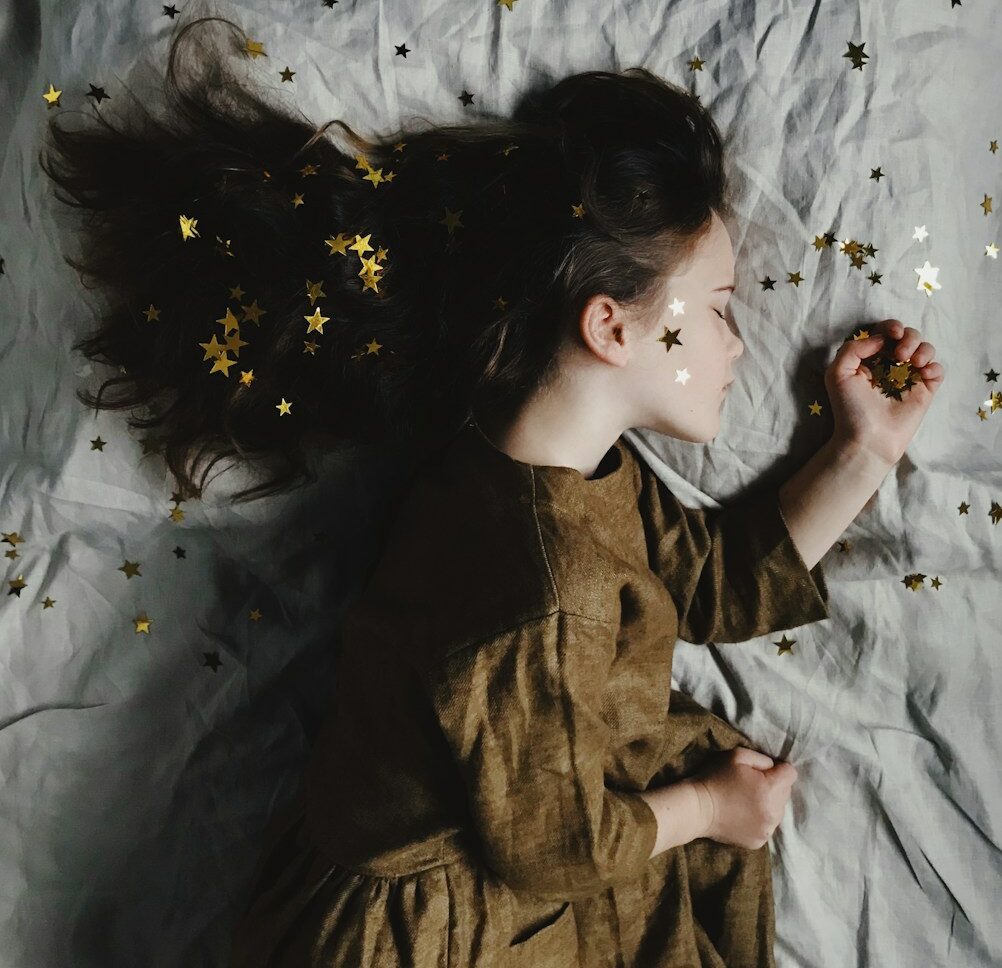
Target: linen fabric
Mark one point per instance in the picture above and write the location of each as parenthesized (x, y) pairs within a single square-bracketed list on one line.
[(503, 694)]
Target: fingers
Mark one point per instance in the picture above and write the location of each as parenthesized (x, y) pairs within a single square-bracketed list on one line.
[(932, 374), (753, 758), (784, 771), (910, 346), (852, 353)]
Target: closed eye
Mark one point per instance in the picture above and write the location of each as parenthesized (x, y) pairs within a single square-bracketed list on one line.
[(720, 314)]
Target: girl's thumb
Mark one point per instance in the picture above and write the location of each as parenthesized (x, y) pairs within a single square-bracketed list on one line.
[(753, 758)]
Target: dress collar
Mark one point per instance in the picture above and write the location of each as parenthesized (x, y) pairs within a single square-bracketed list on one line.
[(563, 485)]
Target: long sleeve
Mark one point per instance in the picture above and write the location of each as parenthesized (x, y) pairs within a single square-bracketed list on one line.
[(522, 716), (734, 573)]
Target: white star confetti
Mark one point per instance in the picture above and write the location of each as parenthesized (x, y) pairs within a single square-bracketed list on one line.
[(677, 307), (992, 250), (927, 278), (682, 376), (920, 233)]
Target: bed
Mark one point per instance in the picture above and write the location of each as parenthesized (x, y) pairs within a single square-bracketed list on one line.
[(166, 664)]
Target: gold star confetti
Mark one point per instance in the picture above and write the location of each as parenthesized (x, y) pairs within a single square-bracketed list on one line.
[(97, 444), (856, 54), (815, 408), (914, 582), (696, 64), (338, 245), (233, 344), (316, 322), (255, 616), (151, 313), (986, 204), (52, 97), (284, 408), (176, 514), (188, 229), (795, 277), (888, 374), (785, 644), (131, 569), (315, 291), (222, 364), (670, 338), (229, 321), (255, 48), (286, 74), (578, 210), (254, 313), (963, 507), (246, 377), (48, 602), (143, 623), (12, 538), (451, 220), (213, 349)]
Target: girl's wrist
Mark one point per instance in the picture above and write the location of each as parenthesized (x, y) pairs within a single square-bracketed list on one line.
[(706, 806), (858, 451)]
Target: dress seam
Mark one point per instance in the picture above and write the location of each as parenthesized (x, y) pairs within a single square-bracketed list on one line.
[(542, 544)]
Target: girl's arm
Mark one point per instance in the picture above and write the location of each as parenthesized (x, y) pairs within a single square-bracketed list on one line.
[(871, 433), (825, 495)]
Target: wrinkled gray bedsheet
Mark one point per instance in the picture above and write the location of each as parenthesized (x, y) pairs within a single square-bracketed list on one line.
[(137, 774)]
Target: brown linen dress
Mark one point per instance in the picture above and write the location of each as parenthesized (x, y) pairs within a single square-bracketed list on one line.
[(502, 693)]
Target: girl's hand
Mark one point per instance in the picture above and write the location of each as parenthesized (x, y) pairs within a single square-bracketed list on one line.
[(864, 417)]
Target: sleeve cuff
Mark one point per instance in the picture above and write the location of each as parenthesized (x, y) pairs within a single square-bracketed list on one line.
[(808, 591), (647, 828)]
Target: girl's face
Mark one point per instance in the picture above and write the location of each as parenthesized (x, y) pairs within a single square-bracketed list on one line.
[(679, 389)]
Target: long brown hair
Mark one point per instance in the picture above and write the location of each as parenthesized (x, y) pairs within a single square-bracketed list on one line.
[(486, 240)]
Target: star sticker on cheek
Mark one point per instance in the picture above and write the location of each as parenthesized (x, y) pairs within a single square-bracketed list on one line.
[(682, 376), (670, 338), (677, 307)]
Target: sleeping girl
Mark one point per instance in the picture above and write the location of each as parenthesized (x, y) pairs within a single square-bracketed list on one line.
[(506, 776)]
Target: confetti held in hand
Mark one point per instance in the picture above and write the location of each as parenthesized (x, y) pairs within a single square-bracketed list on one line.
[(892, 377)]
